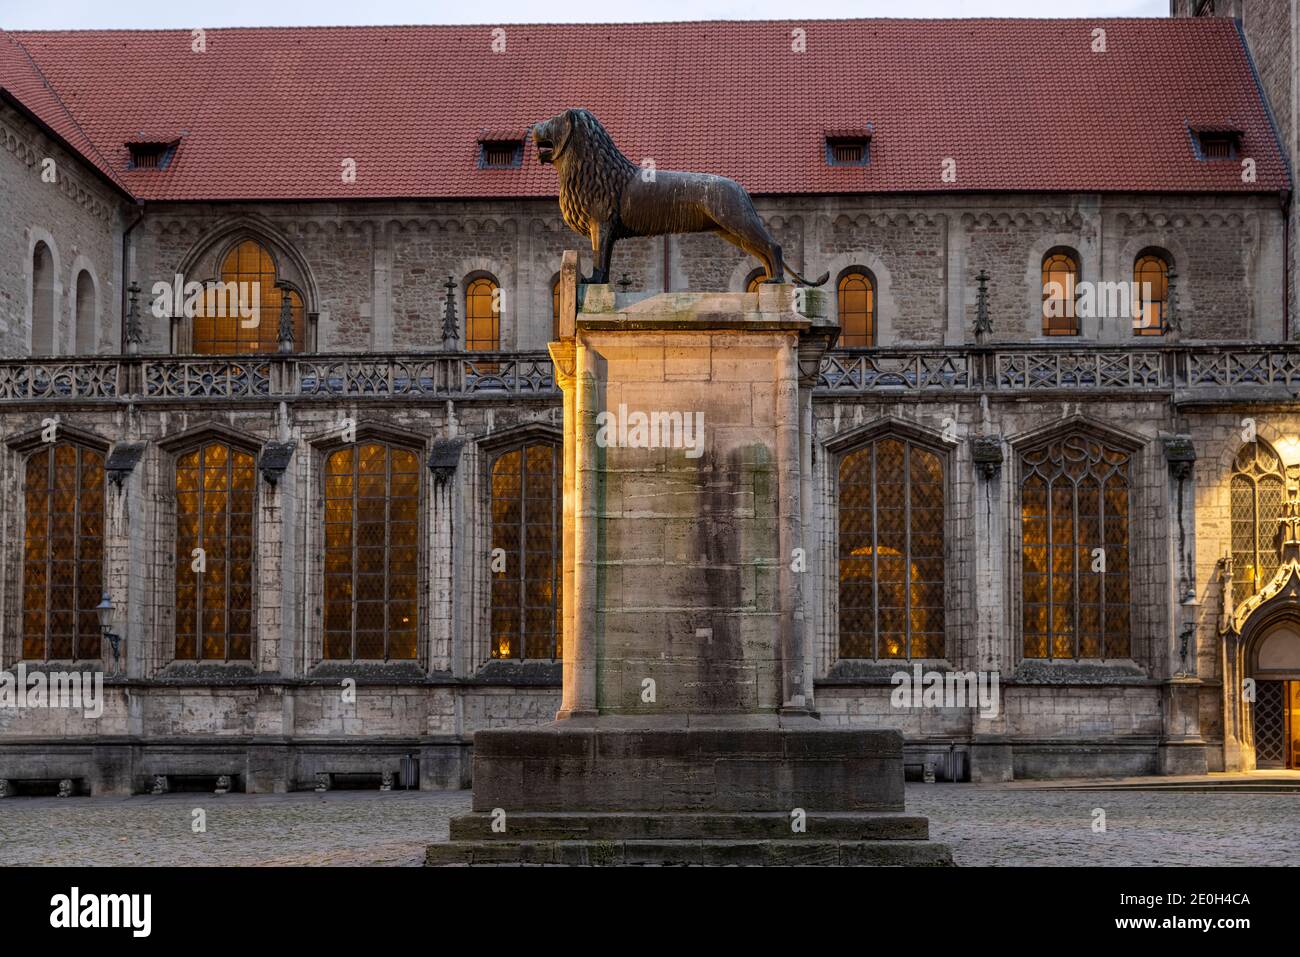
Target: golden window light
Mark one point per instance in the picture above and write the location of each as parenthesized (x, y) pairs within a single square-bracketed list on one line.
[(526, 516), (219, 329), (215, 506), (1151, 279), (857, 310), (1060, 278), (63, 553), (372, 553)]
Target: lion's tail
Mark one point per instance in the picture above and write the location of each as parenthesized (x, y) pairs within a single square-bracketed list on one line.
[(804, 282)]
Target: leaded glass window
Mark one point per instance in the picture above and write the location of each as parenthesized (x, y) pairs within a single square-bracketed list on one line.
[(219, 326), (1151, 281), (1060, 278), (1075, 501), (1258, 496), (63, 553), (483, 314), (372, 554), (856, 295), (891, 565), (526, 549), (215, 489)]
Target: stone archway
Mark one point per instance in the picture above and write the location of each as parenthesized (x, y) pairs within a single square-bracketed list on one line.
[(1273, 663)]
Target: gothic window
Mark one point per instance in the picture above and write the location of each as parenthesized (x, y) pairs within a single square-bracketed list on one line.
[(244, 317), (63, 553), (856, 295), (526, 552), (891, 565), (372, 554), (1151, 281), (1060, 277), (215, 489), (1258, 495), (482, 315), (1075, 573)]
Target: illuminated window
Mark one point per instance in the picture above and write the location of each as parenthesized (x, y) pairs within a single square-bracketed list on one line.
[(63, 553), (482, 315), (372, 554), (1258, 496), (1074, 519), (219, 324), (1151, 279), (526, 527), (755, 279), (215, 488), (857, 310), (1060, 277), (891, 515)]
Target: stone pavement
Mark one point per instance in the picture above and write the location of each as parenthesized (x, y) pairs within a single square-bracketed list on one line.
[(984, 824)]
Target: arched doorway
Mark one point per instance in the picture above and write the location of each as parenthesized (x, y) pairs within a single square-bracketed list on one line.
[(1274, 664)]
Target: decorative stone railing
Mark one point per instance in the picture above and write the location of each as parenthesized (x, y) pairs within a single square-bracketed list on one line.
[(144, 378), (1186, 371)]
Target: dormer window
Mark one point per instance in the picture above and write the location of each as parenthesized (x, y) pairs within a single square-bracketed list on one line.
[(150, 155), (1217, 144), (848, 150), (501, 154)]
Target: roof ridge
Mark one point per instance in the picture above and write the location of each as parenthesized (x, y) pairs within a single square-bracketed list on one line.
[(631, 23)]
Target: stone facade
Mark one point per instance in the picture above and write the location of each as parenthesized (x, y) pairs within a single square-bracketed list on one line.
[(372, 279)]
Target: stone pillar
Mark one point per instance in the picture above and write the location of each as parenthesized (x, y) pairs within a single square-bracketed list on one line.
[(686, 720), (991, 751), (1182, 749)]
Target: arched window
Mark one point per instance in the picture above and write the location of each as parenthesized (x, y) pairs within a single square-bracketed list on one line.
[(755, 279), (526, 527), (226, 322), (856, 295), (1151, 283), (43, 306), (482, 315), (1075, 565), (1060, 278), (63, 557), (85, 331), (372, 554), (891, 567), (1258, 497), (215, 489)]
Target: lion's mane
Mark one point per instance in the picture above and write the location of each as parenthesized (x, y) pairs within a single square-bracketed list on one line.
[(591, 186)]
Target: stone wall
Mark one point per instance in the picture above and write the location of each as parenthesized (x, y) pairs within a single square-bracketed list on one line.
[(53, 198)]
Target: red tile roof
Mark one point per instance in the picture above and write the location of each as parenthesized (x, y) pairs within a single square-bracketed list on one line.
[(23, 82), (1018, 104)]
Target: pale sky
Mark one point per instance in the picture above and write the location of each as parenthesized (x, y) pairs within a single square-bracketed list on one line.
[(161, 14)]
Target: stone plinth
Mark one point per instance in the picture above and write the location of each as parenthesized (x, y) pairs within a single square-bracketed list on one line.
[(687, 732)]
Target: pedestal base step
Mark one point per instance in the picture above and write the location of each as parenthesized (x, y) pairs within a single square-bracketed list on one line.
[(787, 852), (689, 826)]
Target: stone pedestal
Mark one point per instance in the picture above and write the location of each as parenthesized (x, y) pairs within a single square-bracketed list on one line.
[(688, 731)]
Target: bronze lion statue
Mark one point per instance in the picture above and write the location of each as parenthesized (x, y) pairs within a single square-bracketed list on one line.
[(606, 197)]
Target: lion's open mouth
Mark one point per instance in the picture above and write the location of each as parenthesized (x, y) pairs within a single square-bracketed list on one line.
[(545, 150)]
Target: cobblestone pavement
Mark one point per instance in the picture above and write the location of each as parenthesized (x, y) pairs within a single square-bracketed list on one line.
[(984, 824)]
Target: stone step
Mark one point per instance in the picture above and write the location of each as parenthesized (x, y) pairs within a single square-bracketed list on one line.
[(685, 826), (773, 853)]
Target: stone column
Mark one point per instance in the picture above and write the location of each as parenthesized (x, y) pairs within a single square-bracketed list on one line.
[(991, 752)]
